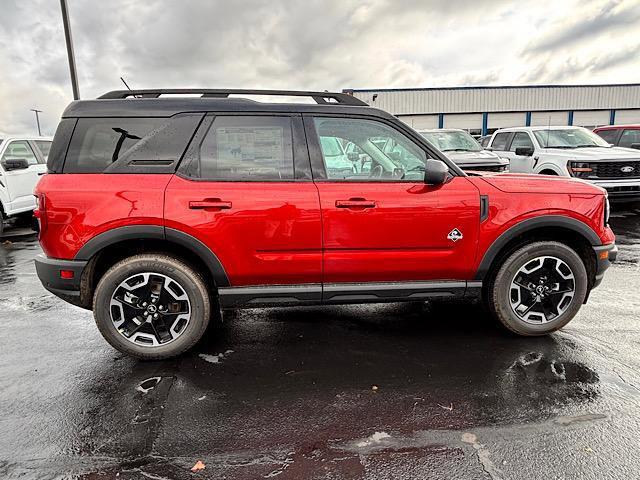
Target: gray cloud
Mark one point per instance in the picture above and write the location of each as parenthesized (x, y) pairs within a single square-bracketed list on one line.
[(311, 44)]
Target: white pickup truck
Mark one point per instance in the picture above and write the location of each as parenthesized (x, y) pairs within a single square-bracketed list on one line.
[(571, 151), (22, 162)]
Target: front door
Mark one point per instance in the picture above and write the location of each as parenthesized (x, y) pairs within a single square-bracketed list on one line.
[(245, 191), (20, 183), (381, 222), (520, 163)]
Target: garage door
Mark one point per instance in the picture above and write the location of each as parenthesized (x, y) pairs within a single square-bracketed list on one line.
[(506, 120), (467, 121), (420, 122), (624, 117), (591, 118), (549, 118)]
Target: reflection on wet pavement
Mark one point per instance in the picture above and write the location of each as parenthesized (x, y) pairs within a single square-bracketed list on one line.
[(376, 391)]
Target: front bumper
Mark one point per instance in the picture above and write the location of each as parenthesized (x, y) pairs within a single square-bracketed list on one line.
[(620, 190), (48, 270), (605, 256)]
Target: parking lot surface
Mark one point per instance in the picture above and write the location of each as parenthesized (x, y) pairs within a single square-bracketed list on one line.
[(378, 391)]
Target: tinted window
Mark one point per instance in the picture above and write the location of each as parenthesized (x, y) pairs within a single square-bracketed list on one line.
[(609, 136), (629, 137), (20, 149), (247, 148), (44, 146), (520, 139), (378, 152), (98, 142), (500, 141)]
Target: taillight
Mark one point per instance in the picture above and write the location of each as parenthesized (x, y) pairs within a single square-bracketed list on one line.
[(41, 212)]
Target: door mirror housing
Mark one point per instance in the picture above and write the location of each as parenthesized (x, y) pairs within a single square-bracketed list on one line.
[(15, 164), (435, 172), (524, 151)]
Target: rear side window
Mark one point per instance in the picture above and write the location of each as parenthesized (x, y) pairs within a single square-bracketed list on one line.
[(44, 146), (500, 141), (257, 148), (98, 142), (629, 138), (609, 135)]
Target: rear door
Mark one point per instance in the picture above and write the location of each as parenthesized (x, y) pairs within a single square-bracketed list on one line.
[(382, 223), (20, 183), (245, 190)]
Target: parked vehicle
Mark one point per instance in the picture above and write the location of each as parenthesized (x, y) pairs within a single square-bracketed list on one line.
[(22, 162), (572, 151), (484, 140), (465, 151), (627, 136), (159, 211)]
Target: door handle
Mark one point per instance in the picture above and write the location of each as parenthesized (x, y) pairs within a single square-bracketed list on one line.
[(355, 203), (209, 203)]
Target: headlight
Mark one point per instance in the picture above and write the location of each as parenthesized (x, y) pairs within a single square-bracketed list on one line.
[(505, 167), (607, 210), (579, 169)]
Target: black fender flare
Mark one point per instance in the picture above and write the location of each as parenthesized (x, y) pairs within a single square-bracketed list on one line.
[(532, 224), (156, 232)]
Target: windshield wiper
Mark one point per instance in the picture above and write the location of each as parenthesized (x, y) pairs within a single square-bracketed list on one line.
[(586, 146), (459, 150)]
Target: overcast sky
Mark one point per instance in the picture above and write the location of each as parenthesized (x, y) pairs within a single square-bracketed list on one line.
[(306, 44)]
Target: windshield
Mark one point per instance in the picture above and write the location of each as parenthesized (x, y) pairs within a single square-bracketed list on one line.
[(569, 138), (453, 141)]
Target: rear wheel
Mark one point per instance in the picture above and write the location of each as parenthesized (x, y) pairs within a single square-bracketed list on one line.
[(1, 222), (152, 306), (538, 289)]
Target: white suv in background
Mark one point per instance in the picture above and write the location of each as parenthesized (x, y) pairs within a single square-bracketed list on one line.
[(571, 151), (22, 162)]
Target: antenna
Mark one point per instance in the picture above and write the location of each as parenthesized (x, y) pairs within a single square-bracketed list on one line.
[(548, 130)]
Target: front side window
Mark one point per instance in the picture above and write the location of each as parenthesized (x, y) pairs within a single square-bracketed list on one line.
[(20, 150), (448, 141), (629, 138), (609, 136), (500, 141), (44, 146), (366, 150), (569, 138), (249, 148), (521, 139)]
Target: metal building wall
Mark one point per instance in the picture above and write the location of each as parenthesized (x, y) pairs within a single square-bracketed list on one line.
[(502, 99)]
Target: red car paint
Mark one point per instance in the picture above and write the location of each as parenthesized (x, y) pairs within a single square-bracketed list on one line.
[(293, 232)]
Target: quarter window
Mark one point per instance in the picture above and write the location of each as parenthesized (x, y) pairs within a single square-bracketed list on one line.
[(521, 139), (366, 150), (20, 150), (500, 141), (629, 137), (248, 148)]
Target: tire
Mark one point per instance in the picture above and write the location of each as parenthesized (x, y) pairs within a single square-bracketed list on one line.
[(181, 285), (1, 222), (537, 313)]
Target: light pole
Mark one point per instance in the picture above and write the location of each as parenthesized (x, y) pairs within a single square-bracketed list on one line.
[(37, 119), (70, 54)]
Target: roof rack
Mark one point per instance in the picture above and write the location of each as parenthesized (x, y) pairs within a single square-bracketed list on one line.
[(321, 98)]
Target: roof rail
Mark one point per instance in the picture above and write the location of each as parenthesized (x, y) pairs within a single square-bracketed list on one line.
[(321, 98)]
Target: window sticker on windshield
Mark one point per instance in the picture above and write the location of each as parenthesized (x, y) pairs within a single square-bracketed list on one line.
[(252, 144)]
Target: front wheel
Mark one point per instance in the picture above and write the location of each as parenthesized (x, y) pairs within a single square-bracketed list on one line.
[(538, 289), (152, 306)]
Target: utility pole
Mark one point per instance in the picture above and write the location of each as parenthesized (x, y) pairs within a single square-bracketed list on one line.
[(37, 119), (70, 54)]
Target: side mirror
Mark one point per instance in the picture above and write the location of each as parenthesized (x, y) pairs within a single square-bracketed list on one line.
[(15, 164), (636, 146), (435, 172), (524, 151)]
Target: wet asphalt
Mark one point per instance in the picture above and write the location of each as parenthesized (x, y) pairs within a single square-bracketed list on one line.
[(395, 391)]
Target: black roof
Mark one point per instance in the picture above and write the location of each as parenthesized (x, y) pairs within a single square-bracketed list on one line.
[(151, 103)]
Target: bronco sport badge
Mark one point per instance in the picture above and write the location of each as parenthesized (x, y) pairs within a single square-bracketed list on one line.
[(455, 235)]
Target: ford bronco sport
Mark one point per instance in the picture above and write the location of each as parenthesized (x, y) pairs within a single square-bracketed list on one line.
[(159, 210)]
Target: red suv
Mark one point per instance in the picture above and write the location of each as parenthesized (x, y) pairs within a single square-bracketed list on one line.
[(621, 135), (159, 210)]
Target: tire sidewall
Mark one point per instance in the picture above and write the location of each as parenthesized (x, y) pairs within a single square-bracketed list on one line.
[(502, 287), (188, 279)]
